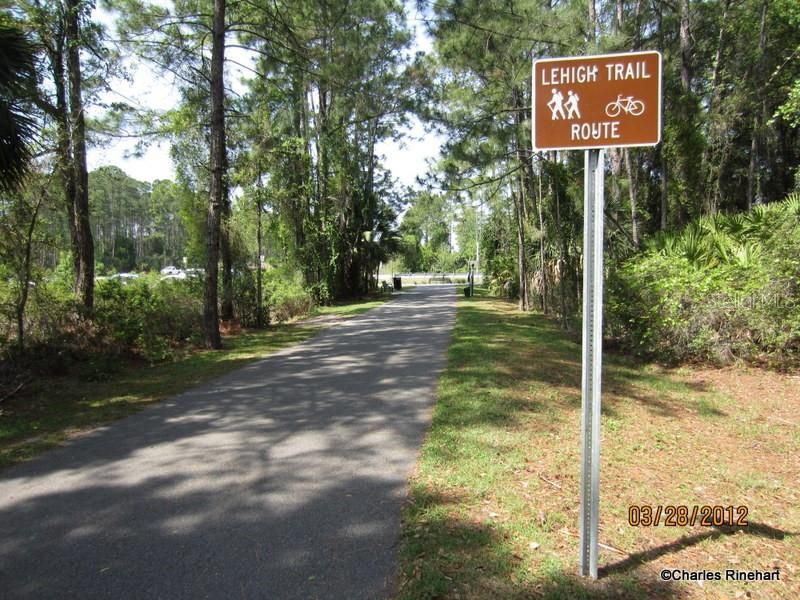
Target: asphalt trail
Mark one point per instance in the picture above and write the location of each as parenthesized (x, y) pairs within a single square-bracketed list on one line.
[(284, 479)]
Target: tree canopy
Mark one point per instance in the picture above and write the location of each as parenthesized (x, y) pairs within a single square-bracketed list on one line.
[(278, 169)]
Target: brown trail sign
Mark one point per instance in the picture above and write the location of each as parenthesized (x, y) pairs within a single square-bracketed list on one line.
[(588, 102)]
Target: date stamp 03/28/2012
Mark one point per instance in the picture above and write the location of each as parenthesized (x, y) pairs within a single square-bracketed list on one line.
[(682, 515)]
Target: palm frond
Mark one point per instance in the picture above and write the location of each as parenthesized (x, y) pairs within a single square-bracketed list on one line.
[(17, 66), (734, 225), (693, 245), (17, 129), (792, 203), (746, 255)]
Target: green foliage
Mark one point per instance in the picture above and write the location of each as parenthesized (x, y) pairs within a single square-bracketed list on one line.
[(148, 319), (334, 82), (789, 111), (499, 255), (725, 288), (286, 296), (137, 225), (245, 299), (17, 127)]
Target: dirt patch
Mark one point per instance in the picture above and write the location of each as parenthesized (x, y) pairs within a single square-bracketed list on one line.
[(688, 438)]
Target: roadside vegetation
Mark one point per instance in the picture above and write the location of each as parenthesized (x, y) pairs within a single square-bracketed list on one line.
[(282, 204), (723, 289), (282, 200), (493, 507)]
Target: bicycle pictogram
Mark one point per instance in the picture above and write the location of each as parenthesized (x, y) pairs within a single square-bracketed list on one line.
[(627, 105)]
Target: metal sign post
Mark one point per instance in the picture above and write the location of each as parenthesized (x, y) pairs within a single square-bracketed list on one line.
[(592, 359)]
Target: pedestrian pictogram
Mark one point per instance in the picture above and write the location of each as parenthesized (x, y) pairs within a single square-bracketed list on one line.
[(557, 105), (586, 102), (572, 106)]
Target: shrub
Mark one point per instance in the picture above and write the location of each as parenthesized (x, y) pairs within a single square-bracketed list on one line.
[(286, 296), (149, 319), (245, 299), (320, 294), (726, 288)]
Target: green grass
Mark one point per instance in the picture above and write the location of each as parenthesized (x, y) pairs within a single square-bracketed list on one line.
[(462, 535), (51, 409), (492, 511)]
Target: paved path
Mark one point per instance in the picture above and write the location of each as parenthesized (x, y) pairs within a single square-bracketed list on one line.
[(282, 480)]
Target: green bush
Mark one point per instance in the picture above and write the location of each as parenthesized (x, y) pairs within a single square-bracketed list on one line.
[(725, 288), (286, 296), (149, 319), (245, 299), (320, 294)]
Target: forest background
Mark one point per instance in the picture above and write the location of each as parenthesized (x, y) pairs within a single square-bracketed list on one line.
[(280, 200)]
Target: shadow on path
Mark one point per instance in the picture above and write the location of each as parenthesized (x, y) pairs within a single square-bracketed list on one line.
[(281, 480)]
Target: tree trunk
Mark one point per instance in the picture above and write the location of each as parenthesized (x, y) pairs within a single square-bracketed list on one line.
[(216, 189), (751, 167), (686, 46), (525, 192), (753, 174), (663, 156), (633, 189), (522, 263), (60, 114), (562, 260), (713, 188), (22, 302), (542, 264), (226, 308), (259, 274), (84, 278), (615, 158)]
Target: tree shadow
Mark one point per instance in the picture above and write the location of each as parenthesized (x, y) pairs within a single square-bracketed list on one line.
[(637, 559), (549, 357), (284, 479), (448, 557)]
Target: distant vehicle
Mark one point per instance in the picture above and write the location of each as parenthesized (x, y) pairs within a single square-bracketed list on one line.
[(170, 270)]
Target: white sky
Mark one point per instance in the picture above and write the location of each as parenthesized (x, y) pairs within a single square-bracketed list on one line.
[(406, 159)]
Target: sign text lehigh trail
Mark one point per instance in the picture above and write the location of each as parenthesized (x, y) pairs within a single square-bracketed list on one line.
[(588, 102)]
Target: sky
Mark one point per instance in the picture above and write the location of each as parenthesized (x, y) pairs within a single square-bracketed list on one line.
[(406, 159)]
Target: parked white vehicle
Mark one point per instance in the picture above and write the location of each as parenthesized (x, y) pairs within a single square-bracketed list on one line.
[(170, 270)]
